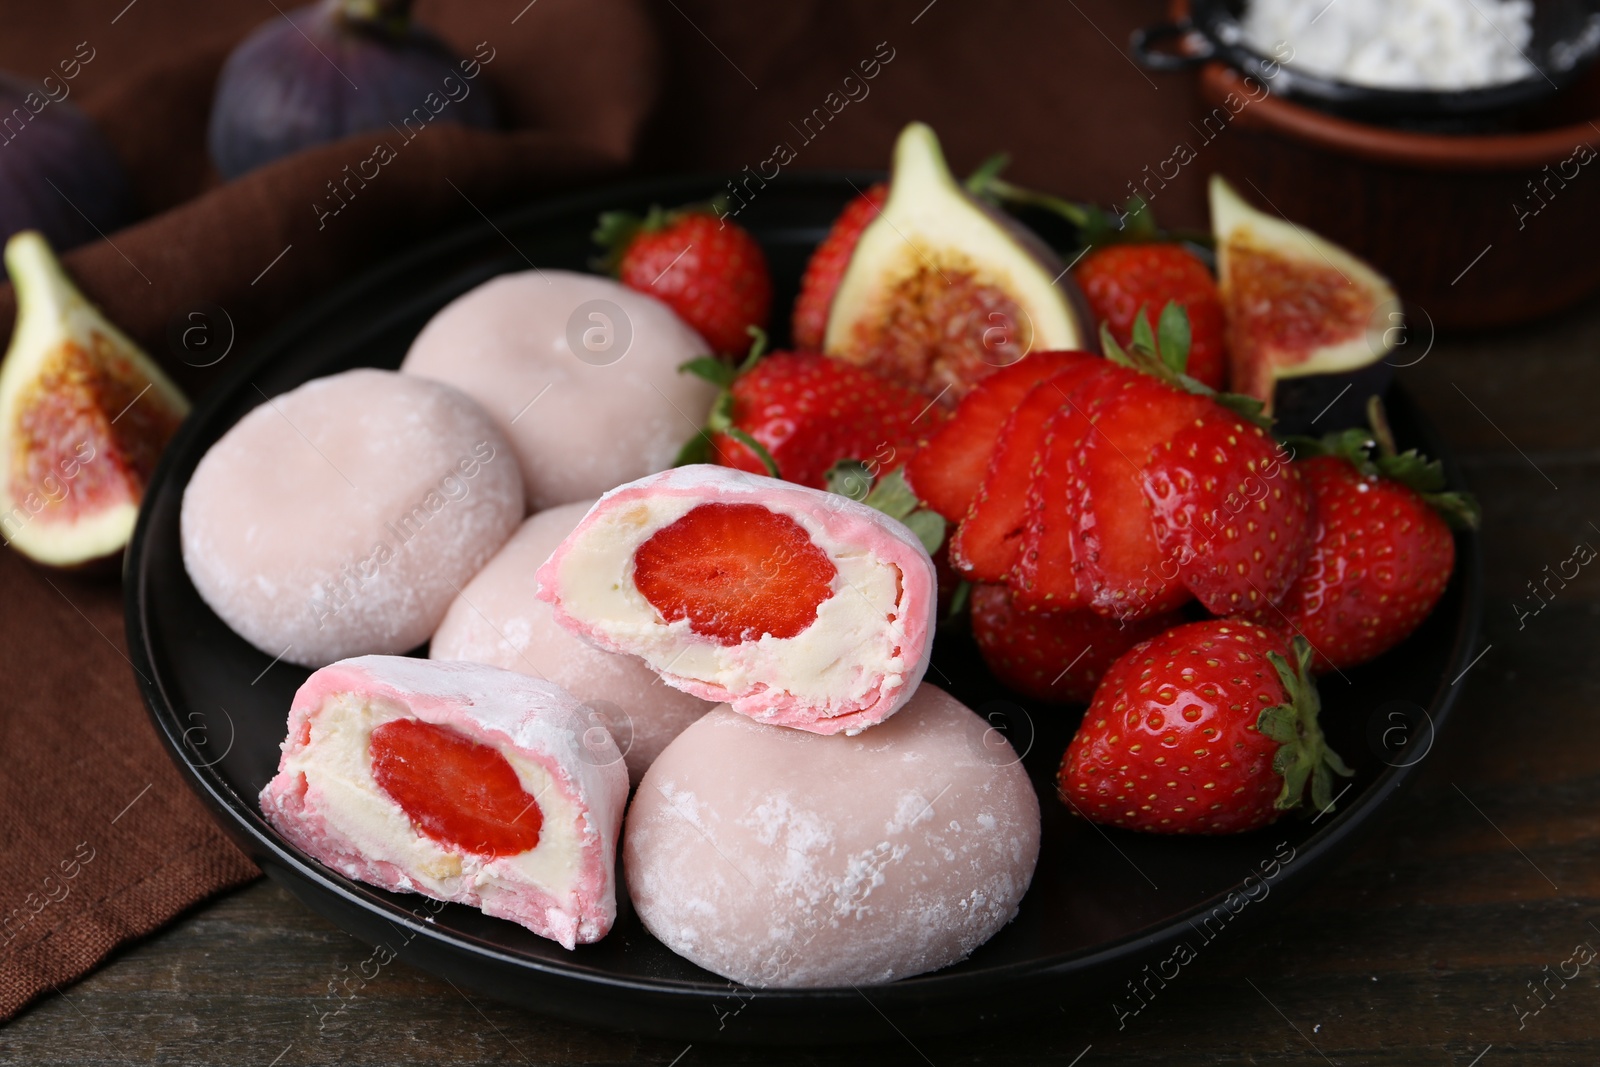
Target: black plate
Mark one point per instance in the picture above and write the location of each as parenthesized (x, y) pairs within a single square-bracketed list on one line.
[(1563, 47), (1103, 903)]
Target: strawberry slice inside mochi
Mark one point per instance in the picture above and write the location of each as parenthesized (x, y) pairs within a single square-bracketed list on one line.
[(455, 790), (737, 572)]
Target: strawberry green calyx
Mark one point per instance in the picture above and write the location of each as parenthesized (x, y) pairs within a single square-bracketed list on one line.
[(891, 495), (1303, 754), (698, 448), (1374, 453), (1163, 354)]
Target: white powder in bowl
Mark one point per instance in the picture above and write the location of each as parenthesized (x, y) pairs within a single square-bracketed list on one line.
[(1398, 44)]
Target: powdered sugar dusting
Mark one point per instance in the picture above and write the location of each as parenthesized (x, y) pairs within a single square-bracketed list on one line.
[(340, 518), (778, 858)]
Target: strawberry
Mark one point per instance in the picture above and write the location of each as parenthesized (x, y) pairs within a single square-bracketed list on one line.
[(737, 572), (1230, 513), (947, 471), (1121, 279), (1056, 656), (989, 540), (1210, 728), (827, 266), (454, 789), (1089, 537), (1381, 552), (1123, 521), (793, 415), (710, 271)]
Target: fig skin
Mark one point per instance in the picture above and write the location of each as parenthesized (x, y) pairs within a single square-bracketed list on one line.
[(288, 86), (57, 145), (84, 417)]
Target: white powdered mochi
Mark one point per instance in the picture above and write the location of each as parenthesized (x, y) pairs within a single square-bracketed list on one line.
[(340, 518), (499, 620), (781, 858), (579, 371)]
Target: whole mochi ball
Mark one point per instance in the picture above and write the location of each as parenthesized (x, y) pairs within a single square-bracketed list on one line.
[(781, 858), (579, 371), (340, 518), (500, 621)]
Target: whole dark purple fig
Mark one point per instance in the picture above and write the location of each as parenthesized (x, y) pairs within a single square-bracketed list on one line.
[(337, 68), (58, 174)]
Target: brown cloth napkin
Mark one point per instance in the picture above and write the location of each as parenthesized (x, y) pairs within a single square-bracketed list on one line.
[(100, 842)]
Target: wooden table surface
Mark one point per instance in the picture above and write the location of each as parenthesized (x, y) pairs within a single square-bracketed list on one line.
[(1423, 949)]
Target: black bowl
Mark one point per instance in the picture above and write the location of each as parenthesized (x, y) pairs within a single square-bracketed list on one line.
[(1103, 904), (1566, 42)]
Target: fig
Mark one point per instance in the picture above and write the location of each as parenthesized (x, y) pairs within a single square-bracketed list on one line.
[(1305, 319), (58, 174), (336, 68), (84, 415), (943, 289)]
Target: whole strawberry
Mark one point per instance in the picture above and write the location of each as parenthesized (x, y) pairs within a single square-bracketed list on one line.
[(1382, 550), (1210, 728), (794, 415), (827, 266), (1120, 279), (1055, 656), (709, 270)]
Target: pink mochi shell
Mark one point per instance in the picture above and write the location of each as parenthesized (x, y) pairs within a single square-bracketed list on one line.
[(536, 720), (841, 518)]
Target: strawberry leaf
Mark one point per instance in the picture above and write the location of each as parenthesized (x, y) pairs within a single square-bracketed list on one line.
[(711, 369), (1173, 336), (892, 495), (758, 348), (1303, 754), (929, 528), (849, 478), (696, 449), (757, 447), (1143, 338), (1409, 468), (958, 600), (614, 231)]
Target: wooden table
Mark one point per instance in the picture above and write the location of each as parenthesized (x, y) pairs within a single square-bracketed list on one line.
[(1422, 950)]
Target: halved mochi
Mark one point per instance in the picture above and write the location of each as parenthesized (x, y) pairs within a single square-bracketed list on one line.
[(459, 781), (795, 606)]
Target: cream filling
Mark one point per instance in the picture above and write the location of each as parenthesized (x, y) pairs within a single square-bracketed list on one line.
[(847, 653), (338, 765)]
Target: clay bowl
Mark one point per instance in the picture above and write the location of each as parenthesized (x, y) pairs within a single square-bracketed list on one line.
[(1474, 229)]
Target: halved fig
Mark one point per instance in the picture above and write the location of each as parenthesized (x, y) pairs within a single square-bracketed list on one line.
[(1298, 307), (84, 415), (942, 290)]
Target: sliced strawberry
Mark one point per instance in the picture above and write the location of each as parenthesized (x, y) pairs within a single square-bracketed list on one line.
[(458, 792), (827, 265), (988, 541), (1230, 511), (947, 471), (1058, 656), (737, 572), (1090, 522)]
